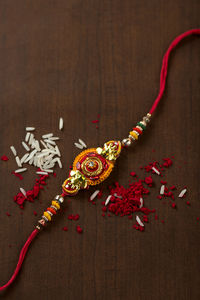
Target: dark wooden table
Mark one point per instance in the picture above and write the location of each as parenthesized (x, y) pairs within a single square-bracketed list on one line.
[(78, 59)]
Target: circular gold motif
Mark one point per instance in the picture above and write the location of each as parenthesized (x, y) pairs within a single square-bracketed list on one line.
[(93, 166)]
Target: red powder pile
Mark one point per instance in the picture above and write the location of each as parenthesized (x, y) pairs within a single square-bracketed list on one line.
[(32, 194), (126, 201)]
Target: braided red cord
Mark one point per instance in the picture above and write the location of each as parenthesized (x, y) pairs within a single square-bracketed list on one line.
[(21, 258), (163, 73)]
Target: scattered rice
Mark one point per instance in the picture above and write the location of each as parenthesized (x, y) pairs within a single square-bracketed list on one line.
[(31, 155), (23, 191), (30, 128), (26, 147), (139, 221), (82, 143), (162, 189), (155, 170), (61, 123), (79, 146), (57, 150), (12, 148), (48, 141), (45, 146), (44, 158), (42, 173), (94, 195), (59, 162), (48, 170), (108, 200), (27, 136), (117, 196), (141, 202), (182, 193), (48, 135), (31, 139), (24, 158), (18, 161), (20, 170), (54, 138)]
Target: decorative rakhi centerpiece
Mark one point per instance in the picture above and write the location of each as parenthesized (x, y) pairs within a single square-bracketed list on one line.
[(91, 167)]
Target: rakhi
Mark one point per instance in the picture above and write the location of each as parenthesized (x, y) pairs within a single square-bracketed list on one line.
[(94, 165)]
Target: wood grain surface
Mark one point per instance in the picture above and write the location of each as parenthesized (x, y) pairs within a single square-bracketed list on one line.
[(78, 59)]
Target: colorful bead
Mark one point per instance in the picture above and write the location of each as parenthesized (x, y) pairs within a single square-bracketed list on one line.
[(134, 134), (56, 204), (55, 208), (141, 125), (131, 137), (47, 215), (138, 130), (45, 218), (59, 198), (50, 209), (126, 142)]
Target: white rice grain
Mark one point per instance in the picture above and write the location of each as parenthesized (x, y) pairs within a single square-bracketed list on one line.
[(48, 135), (82, 143), (20, 170), (45, 146), (41, 173), (162, 189), (24, 158), (26, 147), (27, 136), (182, 193), (18, 161), (59, 163), (23, 191), (47, 170), (53, 138), (141, 202), (61, 123), (139, 221), (31, 139), (50, 142), (31, 155), (57, 150), (78, 146), (155, 170), (108, 200), (12, 148), (94, 195), (117, 196), (30, 128)]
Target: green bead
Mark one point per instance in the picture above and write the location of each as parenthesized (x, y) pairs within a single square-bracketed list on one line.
[(141, 125)]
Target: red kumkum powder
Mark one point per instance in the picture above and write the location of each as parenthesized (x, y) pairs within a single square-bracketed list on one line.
[(4, 158), (32, 194), (126, 201)]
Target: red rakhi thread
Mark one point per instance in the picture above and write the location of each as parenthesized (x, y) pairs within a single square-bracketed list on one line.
[(21, 258), (163, 73), (107, 155)]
